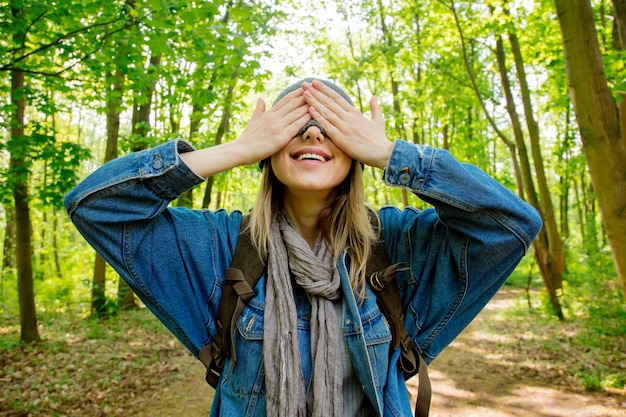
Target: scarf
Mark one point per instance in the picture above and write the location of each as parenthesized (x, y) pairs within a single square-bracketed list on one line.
[(315, 271)]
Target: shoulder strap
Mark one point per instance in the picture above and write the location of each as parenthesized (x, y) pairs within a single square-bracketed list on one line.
[(239, 282), (246, 269), (382, 280)]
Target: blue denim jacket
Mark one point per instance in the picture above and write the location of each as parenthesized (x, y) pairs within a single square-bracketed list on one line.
[(459, 254)]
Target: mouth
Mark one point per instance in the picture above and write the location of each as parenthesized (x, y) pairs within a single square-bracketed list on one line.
[(309, 155)]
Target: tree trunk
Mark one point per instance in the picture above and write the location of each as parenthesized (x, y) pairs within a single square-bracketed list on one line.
[(598, 119), (390, 51), (519, 175), (579, 207), (555, 243), (114, 98), (565, 177), (140, 128), (8, 247), (143, 106), (98, 297), (619, 8), (26, 292), (194, 120), (19, 172), (55, 244), (549, 267), (590, 244), (523, 172), (221, 131)]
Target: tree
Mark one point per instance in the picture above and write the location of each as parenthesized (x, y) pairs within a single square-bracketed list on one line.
[(600, 120), (48, 42), (19, 170), (548, 245), (114, 87)]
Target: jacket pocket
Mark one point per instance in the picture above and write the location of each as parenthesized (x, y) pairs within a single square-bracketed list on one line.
[(377, 335), (246, 375)]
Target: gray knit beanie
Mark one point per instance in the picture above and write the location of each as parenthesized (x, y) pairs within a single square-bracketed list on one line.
[(298, 84), (311, 122)]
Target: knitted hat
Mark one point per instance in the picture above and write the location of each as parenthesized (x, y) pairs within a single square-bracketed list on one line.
[(311, 122), (309, 80)]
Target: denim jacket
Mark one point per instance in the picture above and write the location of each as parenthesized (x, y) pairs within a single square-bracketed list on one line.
[(460, 252)]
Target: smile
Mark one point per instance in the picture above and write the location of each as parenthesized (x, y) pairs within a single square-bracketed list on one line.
[(311, 156)]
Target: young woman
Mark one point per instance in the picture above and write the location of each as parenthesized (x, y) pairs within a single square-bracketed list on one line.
[(312, 341)]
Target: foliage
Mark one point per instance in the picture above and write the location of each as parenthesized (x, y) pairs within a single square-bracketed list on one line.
[(408, 53), (80, 60)]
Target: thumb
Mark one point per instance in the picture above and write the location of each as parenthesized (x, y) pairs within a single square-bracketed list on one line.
[(259, 110), (375, 110)]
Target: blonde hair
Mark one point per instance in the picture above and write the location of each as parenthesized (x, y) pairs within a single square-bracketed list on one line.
[(345, 223)]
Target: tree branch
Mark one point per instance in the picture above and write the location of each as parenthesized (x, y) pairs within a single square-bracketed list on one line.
[(470, 73), (30, 25), (10, 65)]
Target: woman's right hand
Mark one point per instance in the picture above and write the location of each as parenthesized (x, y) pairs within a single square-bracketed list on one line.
[(269, 131), (266, 133)]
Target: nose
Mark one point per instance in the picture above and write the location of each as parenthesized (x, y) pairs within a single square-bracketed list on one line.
[(314, 133)]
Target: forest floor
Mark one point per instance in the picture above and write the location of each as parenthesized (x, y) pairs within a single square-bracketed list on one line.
[(131, 370), (482, 374)]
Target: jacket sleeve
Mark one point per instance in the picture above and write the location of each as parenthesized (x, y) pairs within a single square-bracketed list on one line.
[(172, 258), (461, 251)]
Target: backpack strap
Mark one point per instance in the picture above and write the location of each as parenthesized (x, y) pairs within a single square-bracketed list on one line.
[(239, 282), (383, 283), (244, 273)]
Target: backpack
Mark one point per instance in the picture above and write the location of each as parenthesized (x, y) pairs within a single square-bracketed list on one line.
[(246, 269)]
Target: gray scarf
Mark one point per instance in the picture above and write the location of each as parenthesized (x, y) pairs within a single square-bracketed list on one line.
[(315, 271)]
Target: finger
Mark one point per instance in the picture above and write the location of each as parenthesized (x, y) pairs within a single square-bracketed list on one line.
[(297, 123), (290, 101), (331, 130), (315, 114), (375, 110), (330, 104), (318, 99), (259, 110), (321, 112), (299, 116), (292, 107), (328, 96), (291, 113)]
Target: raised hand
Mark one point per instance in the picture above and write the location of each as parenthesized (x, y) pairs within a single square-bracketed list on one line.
[(269, 131), (363, 139)]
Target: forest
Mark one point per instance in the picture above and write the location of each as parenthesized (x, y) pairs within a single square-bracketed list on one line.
[(531, 91)]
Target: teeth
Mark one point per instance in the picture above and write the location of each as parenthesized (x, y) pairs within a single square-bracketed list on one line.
[(311, 156)]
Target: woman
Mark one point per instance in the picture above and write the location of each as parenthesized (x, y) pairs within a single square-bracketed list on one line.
[(312, 341)]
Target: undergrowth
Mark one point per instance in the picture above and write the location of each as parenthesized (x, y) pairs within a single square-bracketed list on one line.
[(85, 366), (590, 345)]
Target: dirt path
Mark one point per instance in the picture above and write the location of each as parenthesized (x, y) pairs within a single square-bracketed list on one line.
[(468, 381)]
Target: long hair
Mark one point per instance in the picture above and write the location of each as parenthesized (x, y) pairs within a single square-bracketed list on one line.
[(345, 223)]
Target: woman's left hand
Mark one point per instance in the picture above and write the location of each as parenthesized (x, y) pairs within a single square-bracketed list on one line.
[(363, 139)]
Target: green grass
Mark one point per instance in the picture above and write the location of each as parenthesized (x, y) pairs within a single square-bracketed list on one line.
[(590, 345)]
